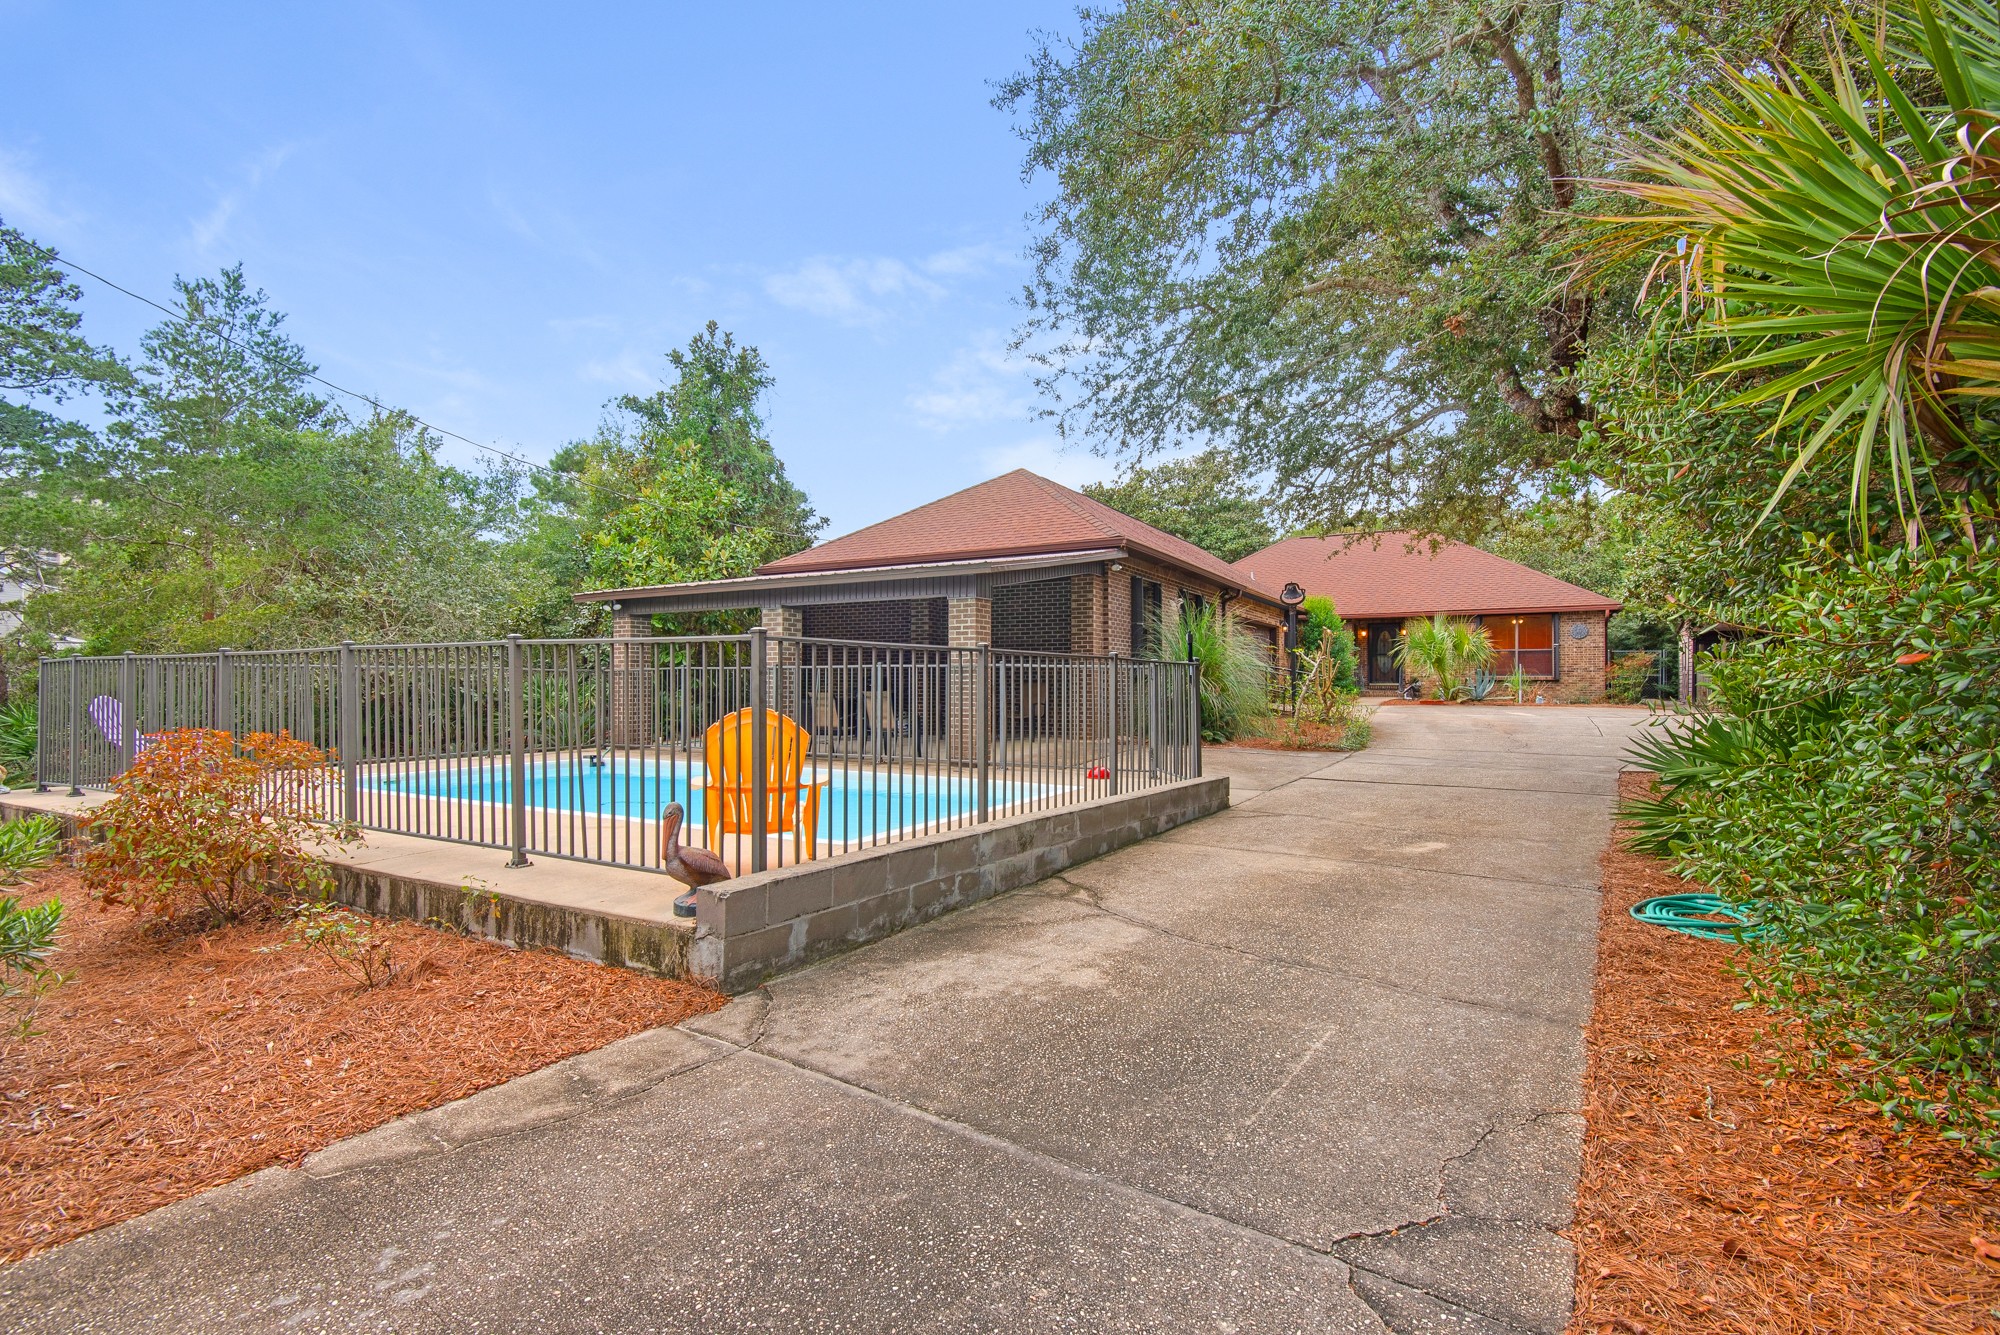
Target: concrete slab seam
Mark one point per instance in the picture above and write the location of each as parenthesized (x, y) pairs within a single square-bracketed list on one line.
[(1089, 898)]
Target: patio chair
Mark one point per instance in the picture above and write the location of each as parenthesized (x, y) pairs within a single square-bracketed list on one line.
[(109, 715), (791, 800)]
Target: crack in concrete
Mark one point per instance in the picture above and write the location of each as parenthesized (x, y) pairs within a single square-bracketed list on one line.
[(1093, 900), (1451, 1303)]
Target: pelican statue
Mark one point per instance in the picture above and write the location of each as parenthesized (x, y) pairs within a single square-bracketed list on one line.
[(692, 867)]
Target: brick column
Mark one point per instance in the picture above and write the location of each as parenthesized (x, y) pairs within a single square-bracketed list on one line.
[(1582, 660), (782, 659), (1086, 614), (969, 624), (631, 721)]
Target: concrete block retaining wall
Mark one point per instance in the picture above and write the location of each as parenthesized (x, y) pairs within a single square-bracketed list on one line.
[(756, 926)]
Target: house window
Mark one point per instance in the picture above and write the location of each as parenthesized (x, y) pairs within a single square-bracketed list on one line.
[(1148, 600), (1527, 641)]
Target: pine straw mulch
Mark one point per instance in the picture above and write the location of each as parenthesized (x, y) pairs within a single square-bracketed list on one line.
[(1719, 1195), (1285, 734), (164, 1067)]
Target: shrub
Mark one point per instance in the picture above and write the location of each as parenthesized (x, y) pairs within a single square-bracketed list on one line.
[(18, 727), (27, 938), (1625, 680), (1445, 650), (1233, 675), (28, 845), (207, 822), (1323, 633), (350, 942), (1846, 785)]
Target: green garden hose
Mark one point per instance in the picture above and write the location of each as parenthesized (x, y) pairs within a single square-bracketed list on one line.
[(1695, 915)]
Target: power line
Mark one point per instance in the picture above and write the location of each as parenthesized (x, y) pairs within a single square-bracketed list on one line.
[(373, 402), (368, 399)]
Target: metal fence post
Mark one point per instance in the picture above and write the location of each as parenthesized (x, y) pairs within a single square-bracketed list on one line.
[(75, 726), (1194, 708), (347, 732), (760, 816), (43, 696), (128, 711), (983, 737), (1117, 722), (517, 752), (222, 702)]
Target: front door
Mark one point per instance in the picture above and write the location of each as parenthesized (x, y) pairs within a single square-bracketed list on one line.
[(1382, 638)]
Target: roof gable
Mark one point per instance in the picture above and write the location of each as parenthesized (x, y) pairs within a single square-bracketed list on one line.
[(1378, 575), (1016, 514)]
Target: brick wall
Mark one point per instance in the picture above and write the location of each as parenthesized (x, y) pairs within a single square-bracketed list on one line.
[(1033, 616), (783, 620), (1582, 660)]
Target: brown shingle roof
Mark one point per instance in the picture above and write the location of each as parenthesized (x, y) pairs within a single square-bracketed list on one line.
[(1376, 575), (1016, 514)]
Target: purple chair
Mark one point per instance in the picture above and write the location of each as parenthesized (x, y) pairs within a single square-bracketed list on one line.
[(109, 715)]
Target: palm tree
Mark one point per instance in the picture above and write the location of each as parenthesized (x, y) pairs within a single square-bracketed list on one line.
[(1844, 236), (1445, 649)]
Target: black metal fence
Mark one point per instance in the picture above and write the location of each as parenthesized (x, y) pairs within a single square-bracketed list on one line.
[(778, 748)]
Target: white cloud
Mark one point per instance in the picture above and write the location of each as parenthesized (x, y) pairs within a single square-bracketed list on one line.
[(966, 261), (852, 291), (981, 383), (628, 370), (1068, 465), (211, 226), (24, 200)]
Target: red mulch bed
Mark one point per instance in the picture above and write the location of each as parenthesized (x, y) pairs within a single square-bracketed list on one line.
[(1721, 1195), (166, 1066)]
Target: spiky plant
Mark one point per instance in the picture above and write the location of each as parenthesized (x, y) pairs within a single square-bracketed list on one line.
[(1233, 675), (1445, 650), (1842, 236)]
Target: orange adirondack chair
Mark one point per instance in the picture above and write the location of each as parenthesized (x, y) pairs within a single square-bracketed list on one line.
[(791, 803)]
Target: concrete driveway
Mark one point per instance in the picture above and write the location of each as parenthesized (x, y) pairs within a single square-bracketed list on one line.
[(1311, 1064)]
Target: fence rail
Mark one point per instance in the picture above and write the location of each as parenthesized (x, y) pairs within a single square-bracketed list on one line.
[(779, 748)]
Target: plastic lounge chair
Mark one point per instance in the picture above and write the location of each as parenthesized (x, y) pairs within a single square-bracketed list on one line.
[(109, 716), (791, 801)]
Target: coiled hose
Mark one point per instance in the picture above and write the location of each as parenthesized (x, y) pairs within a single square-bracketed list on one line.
[(1695, 915)]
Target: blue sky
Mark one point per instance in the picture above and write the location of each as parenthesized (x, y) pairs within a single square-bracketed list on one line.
[(499, 218)]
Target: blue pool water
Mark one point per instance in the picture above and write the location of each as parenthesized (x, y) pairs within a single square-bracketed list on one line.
[(854, 806)]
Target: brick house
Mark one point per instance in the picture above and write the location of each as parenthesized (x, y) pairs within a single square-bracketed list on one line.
[(1017, 562), (1556, 631)]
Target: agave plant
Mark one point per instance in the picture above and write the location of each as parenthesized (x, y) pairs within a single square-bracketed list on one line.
[(1843, 236), (1444, 649)]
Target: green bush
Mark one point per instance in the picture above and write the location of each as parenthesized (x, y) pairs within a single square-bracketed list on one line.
[(1846, 786), (17, 740), (27, 939), (1323, 634), (1233, 674), (28, 845), (1445, 651)]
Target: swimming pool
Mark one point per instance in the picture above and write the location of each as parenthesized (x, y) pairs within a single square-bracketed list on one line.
[(856, 805)]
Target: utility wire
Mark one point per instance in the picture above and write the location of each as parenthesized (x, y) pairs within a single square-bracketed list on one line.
[(368, 399), (53, 258)]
